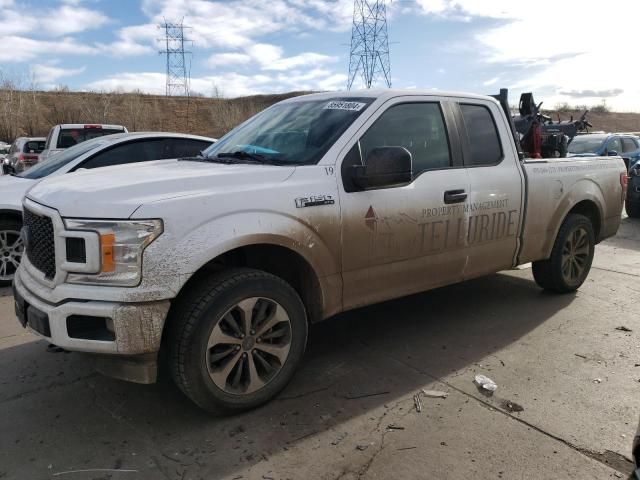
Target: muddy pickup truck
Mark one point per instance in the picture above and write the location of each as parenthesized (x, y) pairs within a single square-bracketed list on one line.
[(214, 266)]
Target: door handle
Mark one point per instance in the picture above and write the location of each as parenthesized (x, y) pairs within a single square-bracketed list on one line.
[(455, 196)]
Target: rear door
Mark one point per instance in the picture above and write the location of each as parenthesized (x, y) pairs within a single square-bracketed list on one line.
[(494, 205), (404, 239)]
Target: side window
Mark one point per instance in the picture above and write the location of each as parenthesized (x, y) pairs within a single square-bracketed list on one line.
[(484, 141), (185, 147), (629, 145), (614, 145), (132, 152), (418, 127)]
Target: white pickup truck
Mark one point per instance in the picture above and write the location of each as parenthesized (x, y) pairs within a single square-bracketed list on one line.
[(67, 135), (317, 205)]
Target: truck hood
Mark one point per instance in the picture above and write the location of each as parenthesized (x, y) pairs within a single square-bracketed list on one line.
[(116, 192), (12, 191)]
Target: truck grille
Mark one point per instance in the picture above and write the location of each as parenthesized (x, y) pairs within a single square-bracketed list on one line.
[(40, 245)]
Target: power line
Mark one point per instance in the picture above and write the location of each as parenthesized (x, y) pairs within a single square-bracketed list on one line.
[(178, 75), (369, 57)]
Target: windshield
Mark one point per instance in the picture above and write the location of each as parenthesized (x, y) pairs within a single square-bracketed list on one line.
[(295, 133), (586, 144), (55, 162)]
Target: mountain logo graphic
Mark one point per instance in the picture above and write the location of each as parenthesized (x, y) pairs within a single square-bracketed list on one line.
[(371, 219)]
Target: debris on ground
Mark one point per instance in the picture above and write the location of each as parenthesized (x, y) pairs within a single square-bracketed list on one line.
[(339, 439), (434, 393), (363, 447), (581, 356), (511, 406), (417, 402), (406, 448), (597, 380), (622, 328), (355, 396), (485, 383), (393, 426)]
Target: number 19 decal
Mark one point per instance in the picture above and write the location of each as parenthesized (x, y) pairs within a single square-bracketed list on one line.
[(328, 170)]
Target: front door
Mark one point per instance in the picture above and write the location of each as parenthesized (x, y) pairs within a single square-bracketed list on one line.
[(407, 238)]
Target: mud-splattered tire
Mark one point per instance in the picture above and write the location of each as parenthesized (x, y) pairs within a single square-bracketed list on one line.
[(571, 256), (236, 339), (632, 209), (11, 249)]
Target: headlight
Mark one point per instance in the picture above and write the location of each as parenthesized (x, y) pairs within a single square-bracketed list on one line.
[(121, 244)]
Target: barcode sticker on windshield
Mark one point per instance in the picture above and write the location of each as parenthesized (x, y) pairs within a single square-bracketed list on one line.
[(351, 106)]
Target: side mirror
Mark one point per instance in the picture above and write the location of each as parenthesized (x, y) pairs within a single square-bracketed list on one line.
[(384, 167), (612, 153)]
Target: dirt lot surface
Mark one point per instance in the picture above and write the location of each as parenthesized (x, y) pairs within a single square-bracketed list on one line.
[(350, 411)]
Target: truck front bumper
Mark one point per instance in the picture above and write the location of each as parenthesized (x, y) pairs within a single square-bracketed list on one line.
[(121, 334)]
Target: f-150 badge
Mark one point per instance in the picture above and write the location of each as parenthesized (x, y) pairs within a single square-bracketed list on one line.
[(314, 201)]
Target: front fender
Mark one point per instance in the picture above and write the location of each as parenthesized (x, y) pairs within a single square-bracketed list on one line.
[(317, 240)]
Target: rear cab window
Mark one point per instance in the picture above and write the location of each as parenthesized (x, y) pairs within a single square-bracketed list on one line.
[(485, 147), (68, 137), (33, 146)]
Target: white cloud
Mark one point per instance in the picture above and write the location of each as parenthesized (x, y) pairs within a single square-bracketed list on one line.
[(20, 49), (491, 81), (226, 59), (49, 74), (269, 57), (230, 84), (239, 23), (569, 50), (71, 19)]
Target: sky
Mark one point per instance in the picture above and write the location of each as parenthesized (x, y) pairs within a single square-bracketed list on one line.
[(564, 51)]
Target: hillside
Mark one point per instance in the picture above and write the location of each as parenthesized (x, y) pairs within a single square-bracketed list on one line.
[(603, 121), (33, 112)]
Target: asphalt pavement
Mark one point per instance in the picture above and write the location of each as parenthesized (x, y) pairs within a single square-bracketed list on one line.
[(567, 404)]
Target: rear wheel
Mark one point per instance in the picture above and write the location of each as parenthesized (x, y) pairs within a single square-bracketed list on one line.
[(571, 257), (236, 340), (11, 249), (633, 209)]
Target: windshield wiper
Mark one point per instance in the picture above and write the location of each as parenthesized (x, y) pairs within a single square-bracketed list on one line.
[(242, 155), (234, 157)]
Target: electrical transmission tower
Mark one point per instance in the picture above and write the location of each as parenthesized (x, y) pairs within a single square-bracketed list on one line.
[(178, 75), (369, 44)]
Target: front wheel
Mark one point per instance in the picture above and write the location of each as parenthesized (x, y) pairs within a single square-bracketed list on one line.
[(11, 249), (571, 257), (236, 340)]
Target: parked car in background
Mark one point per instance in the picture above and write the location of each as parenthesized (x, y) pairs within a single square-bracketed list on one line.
[(632, 204), (23, 154), (105, 151), (4, 150), (67, 135), (607, 144)]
